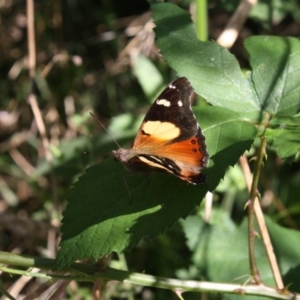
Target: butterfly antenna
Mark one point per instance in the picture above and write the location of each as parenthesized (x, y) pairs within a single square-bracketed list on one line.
[(105, 129)]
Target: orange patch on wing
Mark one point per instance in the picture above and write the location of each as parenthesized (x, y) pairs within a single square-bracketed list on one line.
[(187, 153)]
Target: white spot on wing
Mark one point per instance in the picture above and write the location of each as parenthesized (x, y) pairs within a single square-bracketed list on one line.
[(156, 158), (163, 102), (153, 164), (171, 86), (180, 103)]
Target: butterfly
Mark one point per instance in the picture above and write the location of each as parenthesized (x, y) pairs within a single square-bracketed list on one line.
[(169, 138)]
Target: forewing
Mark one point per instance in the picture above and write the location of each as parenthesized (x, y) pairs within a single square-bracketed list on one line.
[(170, 119)]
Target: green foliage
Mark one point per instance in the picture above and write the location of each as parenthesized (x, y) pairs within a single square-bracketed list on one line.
[(108, 205), (110, 211), (213, 72), (284, 136), (267, 12), (144, 67), (275, 63), (222, 251)]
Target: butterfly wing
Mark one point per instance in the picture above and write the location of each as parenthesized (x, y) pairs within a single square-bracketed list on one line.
[(170, 119), (169, 138)]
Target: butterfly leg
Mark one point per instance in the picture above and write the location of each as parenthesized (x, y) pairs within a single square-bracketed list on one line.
[(154, 190), (127, 187)]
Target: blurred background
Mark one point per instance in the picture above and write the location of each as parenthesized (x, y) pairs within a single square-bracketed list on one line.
[(100, 56)]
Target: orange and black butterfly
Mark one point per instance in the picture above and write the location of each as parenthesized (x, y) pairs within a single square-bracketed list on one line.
[(169, 138)]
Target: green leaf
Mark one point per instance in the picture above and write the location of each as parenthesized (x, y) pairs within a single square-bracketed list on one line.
[(271, 12), (213, 72), (285, 243), (109, 210), (284, 136), (275, 63), (220, 250), (143, 66), (227, 136)]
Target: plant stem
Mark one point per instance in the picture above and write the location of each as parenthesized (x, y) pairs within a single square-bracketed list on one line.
[(268, 245), (253, 198), (91, 274), (42, 263), (5, 292), (201, 20), (262, 226)]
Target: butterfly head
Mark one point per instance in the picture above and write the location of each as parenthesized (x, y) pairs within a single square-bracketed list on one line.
[(122, 155)]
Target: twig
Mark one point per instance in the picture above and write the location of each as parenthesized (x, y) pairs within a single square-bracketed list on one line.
[(164, 283), (36, 293), (31, 39), (32, 66), (262, 226), (32, 97), (61, 57), (284, 213), (208, 206), (59, 289), (19, 284), (97, 289), (5, 293), (21, 161), (230, 33), (253, 199), (15, 141)]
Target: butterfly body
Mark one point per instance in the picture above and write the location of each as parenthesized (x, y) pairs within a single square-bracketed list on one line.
[(169, 138)]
